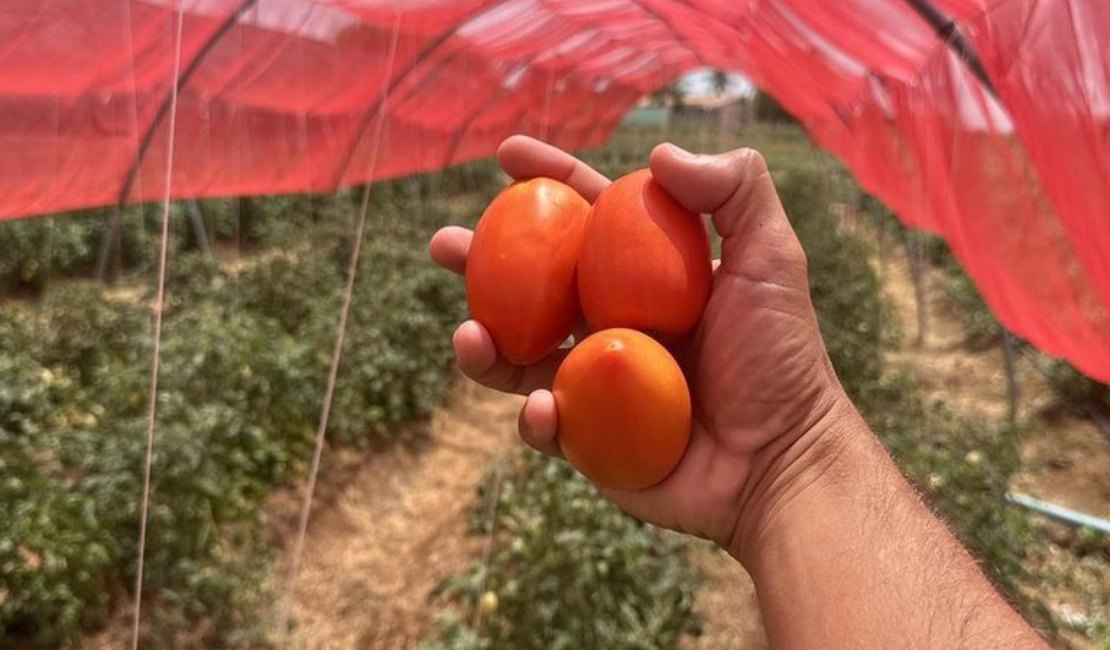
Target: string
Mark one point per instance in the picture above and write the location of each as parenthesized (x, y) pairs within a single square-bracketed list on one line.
[(547, 106), (159, 304), (487, 551), (340, 334)]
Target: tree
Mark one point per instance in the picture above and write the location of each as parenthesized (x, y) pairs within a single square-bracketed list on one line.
[(720, 82), (673, 95), (767, 109)]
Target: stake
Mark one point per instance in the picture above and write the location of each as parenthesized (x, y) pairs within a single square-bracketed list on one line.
[(109, 247), (917, 272), (196, 218), (1009, 355)]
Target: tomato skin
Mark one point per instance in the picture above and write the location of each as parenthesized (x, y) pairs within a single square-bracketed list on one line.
[(520, 272), (645, 261), (623, 408)]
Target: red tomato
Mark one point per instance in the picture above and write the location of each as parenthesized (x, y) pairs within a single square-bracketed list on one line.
[(624, 409), (645, 261), (520, 273)]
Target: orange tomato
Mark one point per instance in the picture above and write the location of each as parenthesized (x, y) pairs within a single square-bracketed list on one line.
[(645, 261), (520, 272), (624, 409)]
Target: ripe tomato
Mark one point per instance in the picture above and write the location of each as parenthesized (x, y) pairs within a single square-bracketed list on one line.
[(645, 261), (624, 409), (520, 272)]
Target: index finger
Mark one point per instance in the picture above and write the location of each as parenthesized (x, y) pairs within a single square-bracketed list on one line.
[(523, 157)]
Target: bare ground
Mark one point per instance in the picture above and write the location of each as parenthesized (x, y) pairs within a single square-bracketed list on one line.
[(397, 529), (1064, 458), (726, 603)]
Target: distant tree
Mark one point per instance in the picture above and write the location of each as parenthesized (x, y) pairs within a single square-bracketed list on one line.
[(674, 95), (767, 109), (720, 82)]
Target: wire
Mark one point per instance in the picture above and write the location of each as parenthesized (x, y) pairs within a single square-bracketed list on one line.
[(159, 305), (487, 551), (547, 106), (340, 334)]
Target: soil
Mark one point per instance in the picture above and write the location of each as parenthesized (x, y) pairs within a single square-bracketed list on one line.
[(1065, 459), (726, 604), (396, 529)]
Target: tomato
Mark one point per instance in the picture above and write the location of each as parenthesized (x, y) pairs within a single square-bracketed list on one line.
[(623, 408), (488, 603), (520, 272), (645, 261)]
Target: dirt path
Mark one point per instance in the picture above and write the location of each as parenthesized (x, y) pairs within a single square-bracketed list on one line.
[(1065, 460), (397, 528)]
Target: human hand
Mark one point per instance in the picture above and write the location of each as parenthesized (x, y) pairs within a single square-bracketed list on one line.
[(763, 388)]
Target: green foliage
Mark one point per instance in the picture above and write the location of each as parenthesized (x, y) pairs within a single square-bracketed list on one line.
[(569, 569), (53, 551), (964, 467), (981, 330), (845, 290), (980, 327), (34, 250), (245, 352), (1080, 393), (767, 109)]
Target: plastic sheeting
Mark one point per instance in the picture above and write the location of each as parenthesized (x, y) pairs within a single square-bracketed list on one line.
[(313, 95)]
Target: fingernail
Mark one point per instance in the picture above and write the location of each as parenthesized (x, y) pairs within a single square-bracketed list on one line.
[(522, 424)]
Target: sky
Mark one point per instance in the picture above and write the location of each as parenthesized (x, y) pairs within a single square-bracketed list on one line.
[(700, 82)]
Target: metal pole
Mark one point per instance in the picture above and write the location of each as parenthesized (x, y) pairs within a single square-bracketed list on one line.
[(947, 30), (109, 245), (196, 218), (1074, 517)]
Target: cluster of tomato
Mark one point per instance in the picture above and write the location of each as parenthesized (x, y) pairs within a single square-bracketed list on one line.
[(635, 269)]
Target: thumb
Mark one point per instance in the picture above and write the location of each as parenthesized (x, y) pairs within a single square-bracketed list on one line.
[(737, 189)]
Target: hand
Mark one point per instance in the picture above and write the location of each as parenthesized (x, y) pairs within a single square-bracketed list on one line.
[(762, 385)]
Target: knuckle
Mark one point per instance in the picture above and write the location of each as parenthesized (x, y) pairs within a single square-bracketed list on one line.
[(796, 255)]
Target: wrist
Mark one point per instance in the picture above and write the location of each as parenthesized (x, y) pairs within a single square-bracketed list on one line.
[(795, 472)]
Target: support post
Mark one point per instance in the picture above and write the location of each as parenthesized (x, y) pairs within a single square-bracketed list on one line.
[(109, 246), (196, 219), (912, 244), (1013, 395)]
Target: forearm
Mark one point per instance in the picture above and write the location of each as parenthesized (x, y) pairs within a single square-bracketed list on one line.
[(844, 554)]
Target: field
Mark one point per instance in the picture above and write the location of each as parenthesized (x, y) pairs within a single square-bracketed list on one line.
[(432, 527)]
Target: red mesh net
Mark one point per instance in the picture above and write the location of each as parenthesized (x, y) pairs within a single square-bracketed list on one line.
[(284, 95)]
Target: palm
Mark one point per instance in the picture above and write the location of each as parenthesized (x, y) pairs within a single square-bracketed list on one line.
[(756, 371)]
